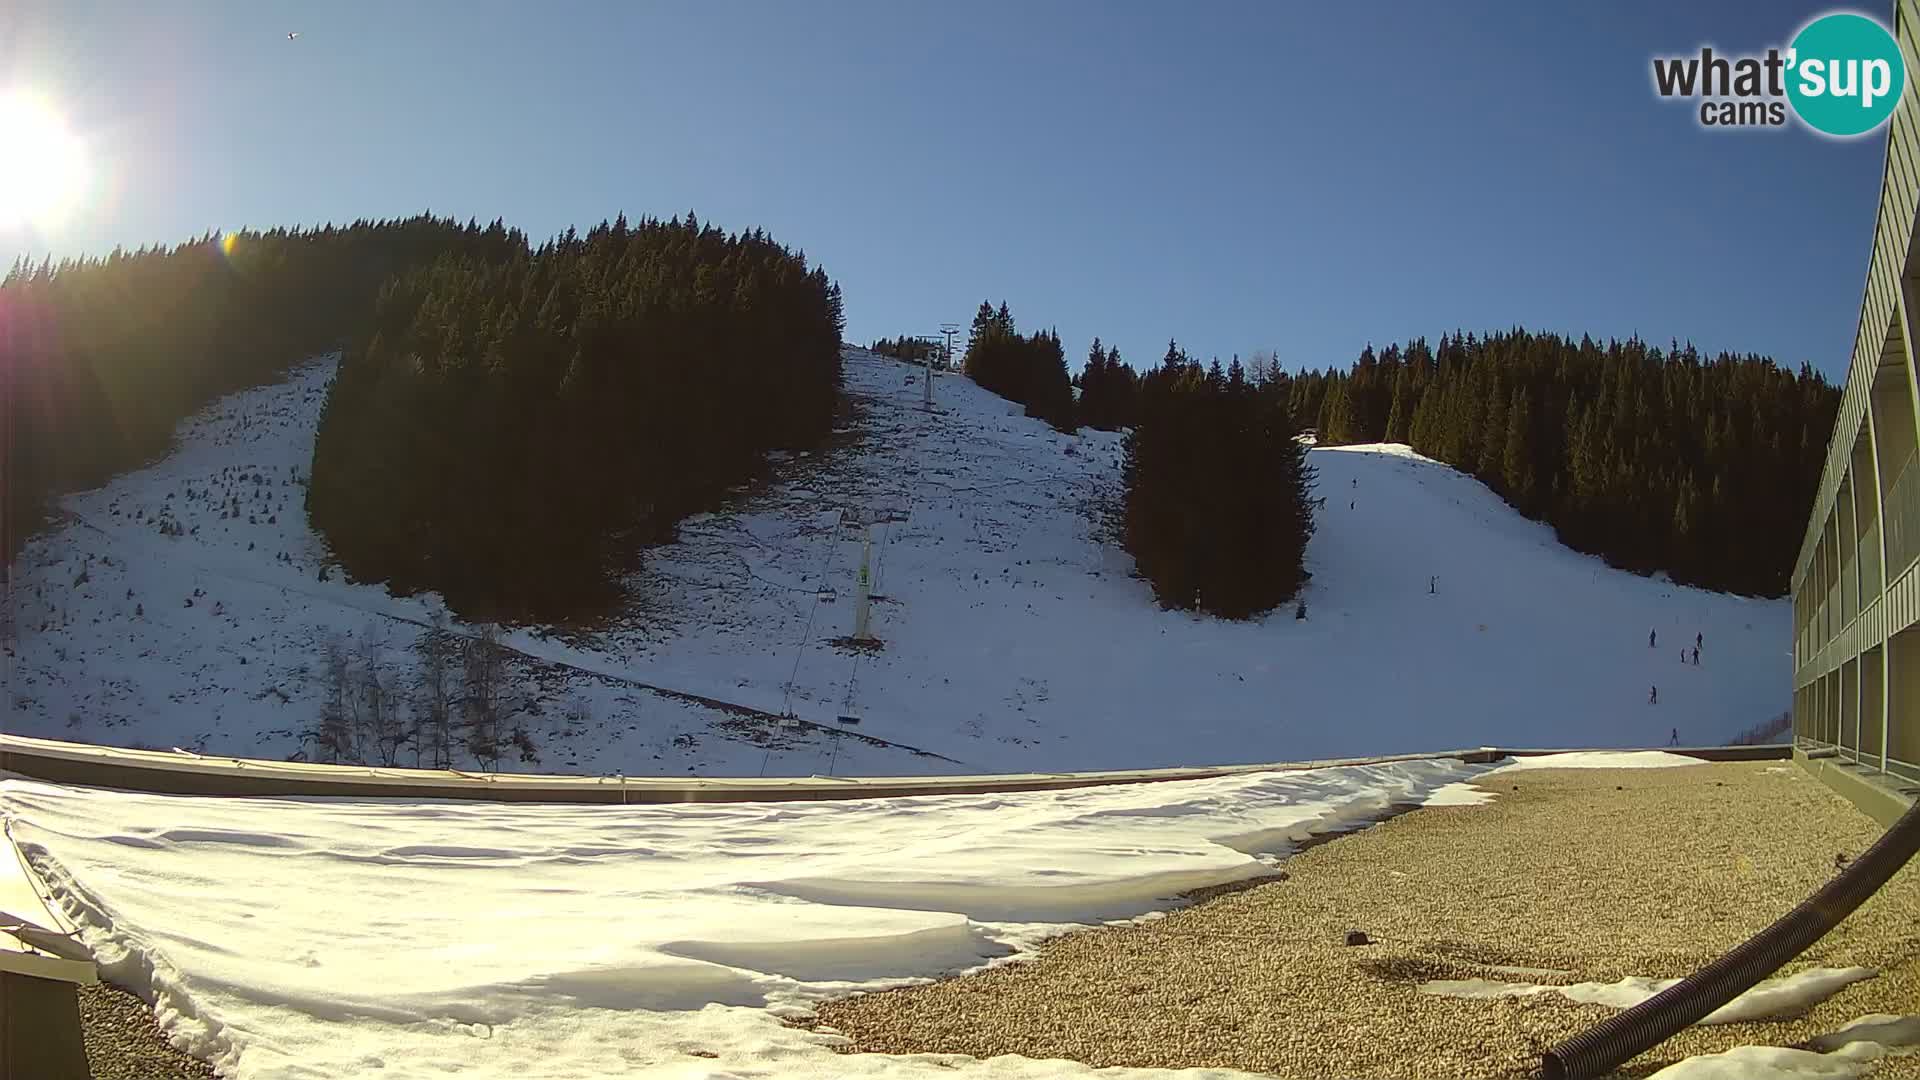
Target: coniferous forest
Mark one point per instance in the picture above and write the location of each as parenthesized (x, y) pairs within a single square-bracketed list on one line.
[(488, 389), (507, 424), (106, 355), (1029, 369), (1656, 460), (905, 348), (1217, 512), (515, 428), (1109, 390)]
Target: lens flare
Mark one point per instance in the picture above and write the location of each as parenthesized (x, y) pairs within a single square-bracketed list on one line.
[(46, 171)]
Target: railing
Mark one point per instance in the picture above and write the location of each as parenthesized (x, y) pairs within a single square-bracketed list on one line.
[(1849, 591), (1870, 564), (1852, 721), (1901, 515), (1867, 757)]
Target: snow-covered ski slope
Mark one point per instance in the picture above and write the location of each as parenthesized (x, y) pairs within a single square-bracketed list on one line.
[(1014, 639)]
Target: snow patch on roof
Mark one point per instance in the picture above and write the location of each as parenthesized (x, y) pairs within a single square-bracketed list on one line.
[(1771, 999), (1844, 1054), (308, 938), (1602, 759)]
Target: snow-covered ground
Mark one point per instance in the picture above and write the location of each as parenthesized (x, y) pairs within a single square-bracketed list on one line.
[(318, 938), (1014, 639), (1770, 999), (298, 939)]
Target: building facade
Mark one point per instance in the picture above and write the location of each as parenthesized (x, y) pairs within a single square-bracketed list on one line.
[(1856, 583)]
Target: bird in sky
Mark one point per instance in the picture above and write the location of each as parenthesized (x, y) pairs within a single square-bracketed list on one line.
[(291, 34)]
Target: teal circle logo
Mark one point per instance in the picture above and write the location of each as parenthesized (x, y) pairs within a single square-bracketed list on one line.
[(1845, 74)]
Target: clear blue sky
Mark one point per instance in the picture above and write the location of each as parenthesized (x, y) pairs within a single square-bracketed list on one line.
[(1306, 177)]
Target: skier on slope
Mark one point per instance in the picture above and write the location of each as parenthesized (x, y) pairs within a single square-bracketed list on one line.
[(1674, 739), (1653, 696), (1699, 640), (1696, 655), (1652, 636)]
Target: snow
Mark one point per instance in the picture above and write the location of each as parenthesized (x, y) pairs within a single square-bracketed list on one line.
[(1468, 794), (306, 938), (1844, 1054), (1579, 759), (1014, 639), (1770, 1063), (1789, 996), (1459, 795), (1771, 999), (1898, 1034)]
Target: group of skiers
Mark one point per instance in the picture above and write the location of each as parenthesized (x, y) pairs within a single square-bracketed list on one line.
[(1653, 642)]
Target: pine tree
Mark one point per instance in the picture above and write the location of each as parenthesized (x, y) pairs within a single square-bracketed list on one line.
[(1049, 390), (1516, 468), (1400, 415), (1095, 407), (1336, 416), (1175, 360), (982, 323), (1493, 448), (1217, 488), (1123, 390)]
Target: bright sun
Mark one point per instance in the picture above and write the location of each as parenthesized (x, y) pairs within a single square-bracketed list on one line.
[(46, 167)]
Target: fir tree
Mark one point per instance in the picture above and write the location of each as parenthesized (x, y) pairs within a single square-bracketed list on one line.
[(1400, 414), (1516, 467), (1217, 487)]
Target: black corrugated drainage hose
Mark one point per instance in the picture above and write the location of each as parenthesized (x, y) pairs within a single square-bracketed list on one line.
[(1625, 1036)]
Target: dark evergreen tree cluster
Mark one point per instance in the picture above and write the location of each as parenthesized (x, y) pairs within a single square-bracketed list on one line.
[(105, 356), (1217, 486), (903, 347), (517, 426), (1653, 459), (1031, 369), (1108, 390)]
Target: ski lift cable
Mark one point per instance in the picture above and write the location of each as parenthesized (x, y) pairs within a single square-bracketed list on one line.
[(833, 534), (799, 651), (786, 700), (853, 681), (853, 671)]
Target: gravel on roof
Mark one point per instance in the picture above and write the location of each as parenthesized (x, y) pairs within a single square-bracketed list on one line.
[(124, 1043), (1594, 873)]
